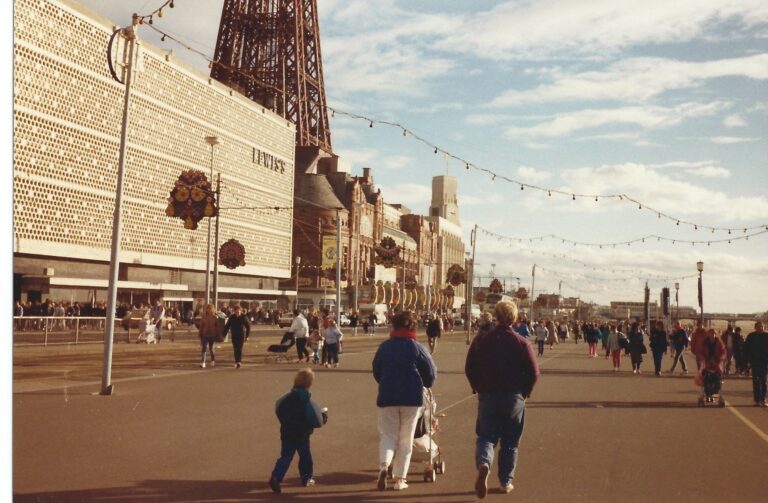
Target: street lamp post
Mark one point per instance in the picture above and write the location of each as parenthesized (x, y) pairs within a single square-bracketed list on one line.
[(677, 301), (298, 264), (212, 141), (700, 268)]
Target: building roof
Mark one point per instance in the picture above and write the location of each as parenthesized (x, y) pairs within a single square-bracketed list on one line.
[(315, 190)]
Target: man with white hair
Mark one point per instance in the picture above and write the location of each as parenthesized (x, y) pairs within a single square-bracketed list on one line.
[(502, 370)]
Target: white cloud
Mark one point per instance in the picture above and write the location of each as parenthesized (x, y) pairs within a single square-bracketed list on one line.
[(634, 80), (413, 195), (395, 162), (667, 193), (728, 140), (646, 117), (533, 175), (709, 172), (734, 120), (560, 29)]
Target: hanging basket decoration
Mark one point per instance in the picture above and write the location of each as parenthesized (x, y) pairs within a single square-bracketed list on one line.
[(232, 254), (387, 253), (456, 275), (330, 274), (192, 199), (495, 286)]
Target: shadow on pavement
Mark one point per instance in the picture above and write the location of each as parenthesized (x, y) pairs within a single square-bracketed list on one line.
[(612, 405), (233, 491)]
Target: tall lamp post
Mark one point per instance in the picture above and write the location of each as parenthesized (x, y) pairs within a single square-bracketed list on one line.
[(700, 268), (298, 264), (677, 301), (212, 141)]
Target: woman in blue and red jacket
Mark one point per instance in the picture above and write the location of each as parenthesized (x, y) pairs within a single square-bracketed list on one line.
[(403, 368)]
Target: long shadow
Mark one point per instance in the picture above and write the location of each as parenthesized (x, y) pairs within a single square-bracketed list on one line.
[(232, 491), (611, 405)]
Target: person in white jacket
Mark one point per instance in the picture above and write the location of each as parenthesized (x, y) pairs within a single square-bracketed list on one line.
[(300, 330), (333, 338)]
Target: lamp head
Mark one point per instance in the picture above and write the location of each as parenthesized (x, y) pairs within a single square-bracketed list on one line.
[(298, 260), (699, 266), (212, 140), (677, 286)]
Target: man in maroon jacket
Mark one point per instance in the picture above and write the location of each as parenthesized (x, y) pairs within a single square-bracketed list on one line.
[(501, 368)]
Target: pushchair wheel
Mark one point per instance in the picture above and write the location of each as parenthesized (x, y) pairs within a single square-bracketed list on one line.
[(429, 475), (721, 402), (439, 467)]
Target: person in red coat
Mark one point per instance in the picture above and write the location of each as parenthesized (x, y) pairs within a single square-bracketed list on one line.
[(712, 352)]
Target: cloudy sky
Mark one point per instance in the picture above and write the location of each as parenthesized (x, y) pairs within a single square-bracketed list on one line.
[(666, 102)]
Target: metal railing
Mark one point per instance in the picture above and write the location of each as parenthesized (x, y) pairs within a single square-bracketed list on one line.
[(52, 330)]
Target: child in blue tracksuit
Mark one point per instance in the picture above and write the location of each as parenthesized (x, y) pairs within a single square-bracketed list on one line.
[(299, 415)]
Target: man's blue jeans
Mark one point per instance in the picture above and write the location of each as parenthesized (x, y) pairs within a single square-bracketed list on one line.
[(500, 417), (287, 449)]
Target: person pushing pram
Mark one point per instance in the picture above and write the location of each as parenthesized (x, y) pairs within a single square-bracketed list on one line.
[(712, 355)]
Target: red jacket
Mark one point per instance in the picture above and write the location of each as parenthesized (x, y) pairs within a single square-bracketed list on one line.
[(501, 360), (712, 353)]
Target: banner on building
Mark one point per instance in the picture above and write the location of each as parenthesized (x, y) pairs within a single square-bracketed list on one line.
[(329, 252)]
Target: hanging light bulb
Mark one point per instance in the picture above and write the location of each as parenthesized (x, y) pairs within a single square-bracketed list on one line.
[(333, 113), (595, 198), (150, 19), (493, 178), (521, 187), (162, 39), (370, 124), (639, 206), (171, 4), (467, 165), (695, 227), (549, 193), (678, 223), (435, 150), (405, 133), (574, 197), (729, 231), (160, 12)]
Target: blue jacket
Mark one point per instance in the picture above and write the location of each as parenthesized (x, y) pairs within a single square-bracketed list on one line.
[(403, 368), (299, 415)]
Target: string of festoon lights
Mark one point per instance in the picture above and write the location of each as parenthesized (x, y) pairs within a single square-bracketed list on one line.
[(639, 277), (407, 132), (630, 242), (549, 190)]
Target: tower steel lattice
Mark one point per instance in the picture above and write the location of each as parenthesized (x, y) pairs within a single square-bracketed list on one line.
[(270, 51)]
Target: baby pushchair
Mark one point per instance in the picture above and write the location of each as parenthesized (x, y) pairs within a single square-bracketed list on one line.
[(424, 446), (711, 388), (147, 332), (280, 351)]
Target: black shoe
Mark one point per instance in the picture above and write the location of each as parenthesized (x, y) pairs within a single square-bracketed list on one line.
[(381, 484), (274, 484)]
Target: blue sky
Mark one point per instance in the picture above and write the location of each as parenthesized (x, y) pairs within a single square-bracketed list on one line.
[(664, 101)]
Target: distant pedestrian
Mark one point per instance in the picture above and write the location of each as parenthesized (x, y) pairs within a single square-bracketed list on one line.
[(636, 347), (679, 341), (241, 330), (299, 415), (300, 330), (332, 337), (209, 331), (697, 337), (756, 349), (541, 333), (353, 322), (659, 345), (402, 368), (372, 323), (501, 368), (740, 359), (434, 331), (156, 315), (521, 327), (485, 323), (615, 346), (591, 335)]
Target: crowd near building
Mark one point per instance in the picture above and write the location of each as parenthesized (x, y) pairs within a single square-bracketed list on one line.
[(284, 203)]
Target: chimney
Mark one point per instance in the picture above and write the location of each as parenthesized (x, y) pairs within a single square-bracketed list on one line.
[(367, 174)]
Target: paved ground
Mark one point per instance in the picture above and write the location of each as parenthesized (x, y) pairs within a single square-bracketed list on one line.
[(175, 432)]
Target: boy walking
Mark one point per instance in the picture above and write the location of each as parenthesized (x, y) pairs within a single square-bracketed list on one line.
[(299, 415)]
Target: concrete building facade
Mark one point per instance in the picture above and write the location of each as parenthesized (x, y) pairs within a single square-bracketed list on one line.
[(68, 114)]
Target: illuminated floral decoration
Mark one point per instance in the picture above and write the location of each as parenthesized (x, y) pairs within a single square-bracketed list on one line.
[(495, 286), (387, 253), (456, 275), (192, 199), (232, 254)]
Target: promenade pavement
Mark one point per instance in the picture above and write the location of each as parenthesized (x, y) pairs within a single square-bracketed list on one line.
[(175, 432)]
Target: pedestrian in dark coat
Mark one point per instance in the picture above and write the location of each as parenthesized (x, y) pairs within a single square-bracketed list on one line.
[(659, 345), (756, 349), (241, 330), (636, 347)]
